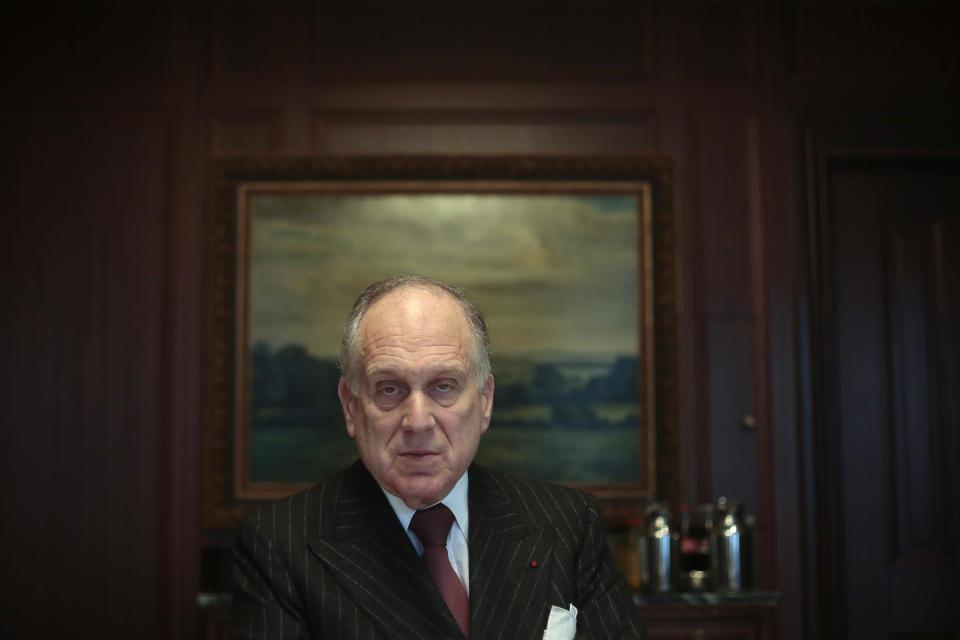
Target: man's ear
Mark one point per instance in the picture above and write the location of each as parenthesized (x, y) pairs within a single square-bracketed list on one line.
[(486, 403), (349, 403)]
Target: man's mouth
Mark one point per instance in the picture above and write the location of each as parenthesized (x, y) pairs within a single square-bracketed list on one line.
[(418, 454)]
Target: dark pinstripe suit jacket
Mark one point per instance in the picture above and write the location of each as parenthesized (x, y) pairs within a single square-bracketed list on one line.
[(333, 562)]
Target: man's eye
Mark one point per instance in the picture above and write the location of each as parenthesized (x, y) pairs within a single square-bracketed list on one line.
[(444, 387), (390, 390)]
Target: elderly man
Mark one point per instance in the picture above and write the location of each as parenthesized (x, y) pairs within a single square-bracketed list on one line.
[(414, 540)]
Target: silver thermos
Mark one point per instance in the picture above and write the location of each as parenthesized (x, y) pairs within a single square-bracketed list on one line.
[(731, 547), (659, 553)]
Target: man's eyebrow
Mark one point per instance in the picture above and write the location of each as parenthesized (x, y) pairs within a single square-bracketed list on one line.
[(380, 372), (449, 372), (444, 371)]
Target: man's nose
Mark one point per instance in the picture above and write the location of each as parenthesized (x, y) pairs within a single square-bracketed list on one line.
[(419, 414)]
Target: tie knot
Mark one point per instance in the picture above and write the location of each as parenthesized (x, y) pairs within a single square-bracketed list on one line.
[(432, 525)]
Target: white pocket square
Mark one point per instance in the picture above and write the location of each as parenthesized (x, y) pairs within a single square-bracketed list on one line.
[(562, 624)]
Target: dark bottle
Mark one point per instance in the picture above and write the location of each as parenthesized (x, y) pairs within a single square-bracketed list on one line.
[(688, 544), (701, 525), (694, 547)]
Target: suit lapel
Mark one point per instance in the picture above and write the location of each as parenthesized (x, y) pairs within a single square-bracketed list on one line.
[(371, 557), (510, 564)]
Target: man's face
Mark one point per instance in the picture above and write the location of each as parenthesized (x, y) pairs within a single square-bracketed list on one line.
[(417, 417)]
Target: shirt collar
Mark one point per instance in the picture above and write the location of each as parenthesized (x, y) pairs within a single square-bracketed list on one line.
[(456, 501)]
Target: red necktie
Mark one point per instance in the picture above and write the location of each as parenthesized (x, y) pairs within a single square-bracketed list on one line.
[(432, 526)]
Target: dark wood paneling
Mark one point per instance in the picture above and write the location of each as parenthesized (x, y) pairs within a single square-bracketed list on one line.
[(724, 152), (732, 428), (722, 39), (390, 132), (246, 133), (919, 432), (257, 41), (726, 205), (781, 558), (733, 447), (872, 39), (98, 42), (483, 40), (81, 448), (705, 622)]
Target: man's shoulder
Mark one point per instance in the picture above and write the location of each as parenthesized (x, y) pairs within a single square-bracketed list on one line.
[(515, 483), (539, 499), (311, 503)]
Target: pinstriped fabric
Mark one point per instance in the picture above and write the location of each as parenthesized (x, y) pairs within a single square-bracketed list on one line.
[(333, 562), (509, 597)]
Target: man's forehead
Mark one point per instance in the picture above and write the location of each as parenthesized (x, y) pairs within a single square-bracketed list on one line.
[(394, 357)]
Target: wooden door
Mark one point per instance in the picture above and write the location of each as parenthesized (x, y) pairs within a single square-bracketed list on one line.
[(891, 284)]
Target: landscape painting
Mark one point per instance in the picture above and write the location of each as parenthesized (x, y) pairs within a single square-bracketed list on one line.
[(571, 259), (555, 275)]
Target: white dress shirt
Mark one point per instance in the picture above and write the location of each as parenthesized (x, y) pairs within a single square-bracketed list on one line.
[(456, 501)]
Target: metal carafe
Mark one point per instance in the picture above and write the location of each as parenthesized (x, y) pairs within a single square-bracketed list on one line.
[(728, 547), (661, 553)]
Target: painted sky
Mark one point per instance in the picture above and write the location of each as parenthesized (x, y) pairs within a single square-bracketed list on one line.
[(550, 272)]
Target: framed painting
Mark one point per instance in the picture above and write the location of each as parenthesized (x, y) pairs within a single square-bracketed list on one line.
[(571, 260)]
